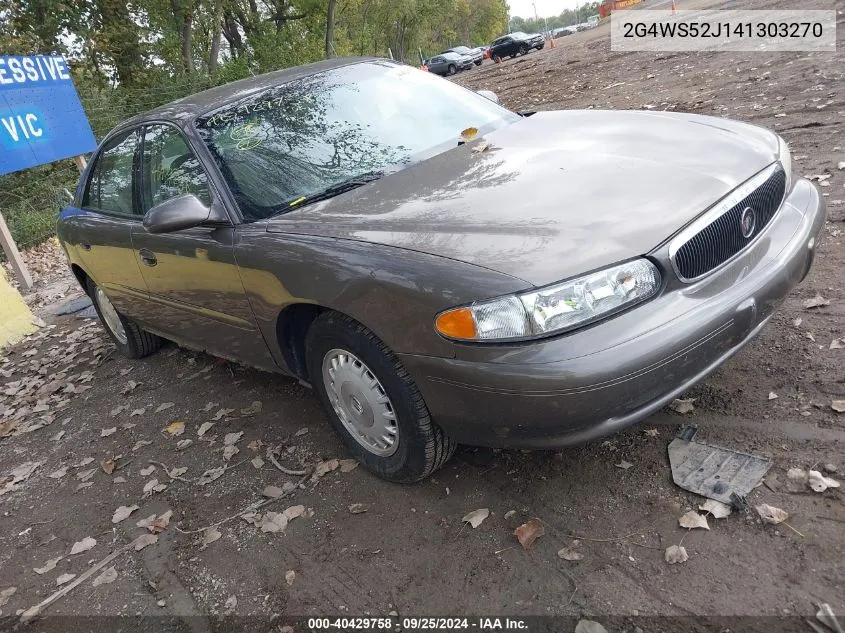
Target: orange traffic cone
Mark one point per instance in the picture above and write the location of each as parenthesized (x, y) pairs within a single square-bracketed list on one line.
[(673, 6)]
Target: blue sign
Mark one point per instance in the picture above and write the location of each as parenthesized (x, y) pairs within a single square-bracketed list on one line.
[(41, 118)]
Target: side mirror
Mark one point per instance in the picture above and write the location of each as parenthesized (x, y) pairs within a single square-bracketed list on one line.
[(182, 212), (489, 94)]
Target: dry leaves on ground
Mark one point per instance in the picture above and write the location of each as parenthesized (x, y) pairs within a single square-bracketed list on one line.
[(144, 540), (529, 532), (819, 482), (357, 508), (682, 406), (209, 536), (175, 428), (771, 514), (816, 302), (290, 576), (106, 577), (82, 546), (676, 554), (122, 513), (476, 517), (692, 520), (571, 553), (48, 566), (717, 509)]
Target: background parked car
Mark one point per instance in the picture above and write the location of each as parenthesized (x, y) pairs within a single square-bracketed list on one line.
[(449, 63), (514, 44), (477, 54)]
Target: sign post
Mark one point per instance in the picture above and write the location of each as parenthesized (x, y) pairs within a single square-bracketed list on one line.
[(41, 121)]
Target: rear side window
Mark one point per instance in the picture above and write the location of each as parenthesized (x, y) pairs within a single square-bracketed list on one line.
[(169, 168), (110, 185)]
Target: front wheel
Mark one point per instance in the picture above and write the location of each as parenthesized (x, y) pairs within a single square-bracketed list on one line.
[(497, 59), (372, 402), (523, 50), (131, 341), (478, 63), (452, 69)]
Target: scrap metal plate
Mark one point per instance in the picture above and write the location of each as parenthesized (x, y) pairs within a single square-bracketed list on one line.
[(714, 472)]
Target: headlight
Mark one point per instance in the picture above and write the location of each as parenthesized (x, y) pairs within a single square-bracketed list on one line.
[(554, 309), (785, 159)]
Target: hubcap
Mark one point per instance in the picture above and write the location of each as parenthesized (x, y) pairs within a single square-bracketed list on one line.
[(110, 317), (360, 402)]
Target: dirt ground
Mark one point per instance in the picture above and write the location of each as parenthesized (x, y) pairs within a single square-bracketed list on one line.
[(74, 410)]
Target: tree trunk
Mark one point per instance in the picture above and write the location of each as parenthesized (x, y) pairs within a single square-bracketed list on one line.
[(217, 26), (119, 34), (330, 29), (187, 36)]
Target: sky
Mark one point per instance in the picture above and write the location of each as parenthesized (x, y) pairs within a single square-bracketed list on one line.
[(545, 8)]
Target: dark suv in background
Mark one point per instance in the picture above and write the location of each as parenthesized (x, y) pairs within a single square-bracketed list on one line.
[(514, 44)]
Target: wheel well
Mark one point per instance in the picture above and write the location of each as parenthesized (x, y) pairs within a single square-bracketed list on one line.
[(291, 330), (81, 277)]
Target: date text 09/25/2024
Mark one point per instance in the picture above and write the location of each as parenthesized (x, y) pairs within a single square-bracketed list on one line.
[(417, 624)]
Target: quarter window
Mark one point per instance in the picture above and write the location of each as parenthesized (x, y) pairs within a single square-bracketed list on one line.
[(170, 168), (110, 186)]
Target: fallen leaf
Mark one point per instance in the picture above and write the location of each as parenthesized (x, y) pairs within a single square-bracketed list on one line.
[(82, 546), (108, 466), (529, 532), (48, 566), (819, 482), (294, 512), (7, 593), (692, 520), (175, 428), (570, 553), (252, 409), (65, 578), (149, 470), (589, 626), (676, 554), (837, 343), (232, 438), (717, 509), (272, 492), (136, 412), (771, 514), (301, 432), (58, 474), (85, 475), (652, 432), (205, 427), (838, 406), (468, 134), (122, 513), (290, 576), (183, 444), (273, 522), (510, 513), (624, 465), (141, 444), (210, 475), (107, 432), (772, 395), (682, 406), (209, 536), (130, 387), (476, 517), (229, 452), (257, 462), (348, 465), (164, 406), (254, 445), (116, 411), (221, 414), (144, 540), (324, 467), (816, 302), (106, 577), (58, 436), (357, 508), (230, 604), (177, 472)]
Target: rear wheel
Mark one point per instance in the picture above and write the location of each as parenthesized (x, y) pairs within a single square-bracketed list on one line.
[(523, 50), (130, 340), (372, 402), (497, 59), (452, 69)]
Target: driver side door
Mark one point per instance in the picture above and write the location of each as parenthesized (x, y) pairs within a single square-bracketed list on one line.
[(196, 296)]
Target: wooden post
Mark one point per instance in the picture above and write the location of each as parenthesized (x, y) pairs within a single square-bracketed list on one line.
[(81, 163), (13, 255)]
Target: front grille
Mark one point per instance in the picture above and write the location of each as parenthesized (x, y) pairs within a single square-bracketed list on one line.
[(720, 240)]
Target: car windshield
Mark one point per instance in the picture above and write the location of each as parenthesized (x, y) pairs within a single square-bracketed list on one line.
[(519, 35), (286, 145), (452, 55), (460, 49)]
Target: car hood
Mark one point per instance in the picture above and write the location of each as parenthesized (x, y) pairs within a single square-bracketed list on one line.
[(555, 195)]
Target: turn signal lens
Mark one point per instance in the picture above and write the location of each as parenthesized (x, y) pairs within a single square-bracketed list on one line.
[(456, 324)]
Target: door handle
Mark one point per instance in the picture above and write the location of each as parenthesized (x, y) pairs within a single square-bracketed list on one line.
[(148, 257), (85, 246)]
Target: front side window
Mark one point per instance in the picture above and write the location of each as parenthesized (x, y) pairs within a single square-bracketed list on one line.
[(309, 135), (110, 185), (169, 168)]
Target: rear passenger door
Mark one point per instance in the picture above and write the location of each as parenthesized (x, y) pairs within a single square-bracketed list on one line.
[(99, 236)]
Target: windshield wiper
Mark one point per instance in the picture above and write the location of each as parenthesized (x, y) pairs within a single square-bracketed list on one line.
[(335, 190)]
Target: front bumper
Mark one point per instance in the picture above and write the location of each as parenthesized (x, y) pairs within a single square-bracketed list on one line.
[(572, 388)]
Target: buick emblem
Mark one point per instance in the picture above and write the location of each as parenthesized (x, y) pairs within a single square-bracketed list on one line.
[(747, 222)]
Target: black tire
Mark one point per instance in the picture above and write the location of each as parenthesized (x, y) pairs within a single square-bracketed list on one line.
[(423, 447), (523, 50), (478, 63), (452, 69), (497, 59), (513, 56), (138, 342)]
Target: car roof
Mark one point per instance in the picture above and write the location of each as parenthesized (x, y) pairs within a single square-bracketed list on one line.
[(188, 108)]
